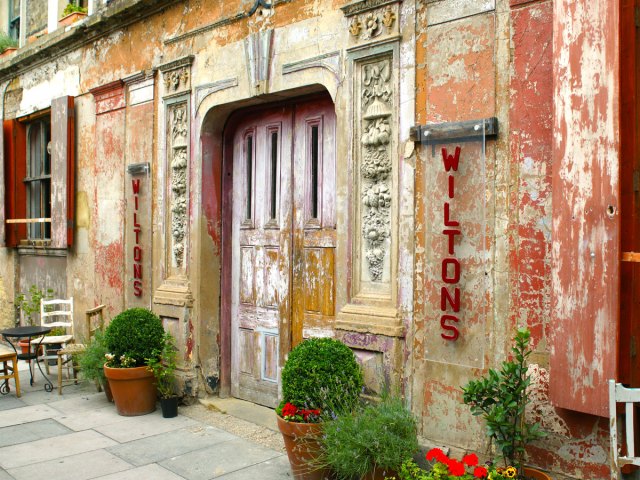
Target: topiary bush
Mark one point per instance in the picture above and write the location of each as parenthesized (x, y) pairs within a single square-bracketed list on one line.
[(321, 373), (132, 337)]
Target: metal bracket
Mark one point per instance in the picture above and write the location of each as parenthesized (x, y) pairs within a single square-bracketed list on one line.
[(138, 168), (470, 130)]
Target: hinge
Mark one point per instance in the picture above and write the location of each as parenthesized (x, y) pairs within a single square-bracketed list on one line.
[(636, 180)]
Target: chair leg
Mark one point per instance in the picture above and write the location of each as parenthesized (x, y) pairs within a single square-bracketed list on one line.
[(59, 374), (16, 375)]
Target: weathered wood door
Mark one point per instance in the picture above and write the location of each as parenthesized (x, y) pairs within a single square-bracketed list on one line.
[(283, 240)]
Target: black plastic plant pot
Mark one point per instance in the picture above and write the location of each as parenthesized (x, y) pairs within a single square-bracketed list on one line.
[(169, 407)]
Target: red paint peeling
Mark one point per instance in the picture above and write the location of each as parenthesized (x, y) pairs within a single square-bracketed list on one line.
[(109, 265)]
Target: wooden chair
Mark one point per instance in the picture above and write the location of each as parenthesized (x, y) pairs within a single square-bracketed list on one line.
[(55, 313), (94, 320), (629, 396), (9, 371)]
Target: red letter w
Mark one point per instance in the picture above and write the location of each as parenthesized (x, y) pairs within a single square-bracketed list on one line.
[(451, 161)]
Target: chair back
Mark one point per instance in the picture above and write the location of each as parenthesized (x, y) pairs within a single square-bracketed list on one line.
[(629, 396), (94, 320), (57, 313)]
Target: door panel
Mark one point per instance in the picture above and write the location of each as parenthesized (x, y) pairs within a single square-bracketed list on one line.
[(283, 240)]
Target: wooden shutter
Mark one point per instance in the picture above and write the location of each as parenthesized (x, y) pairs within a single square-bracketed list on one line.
[(586, 204), (15, 170), (62, 171)]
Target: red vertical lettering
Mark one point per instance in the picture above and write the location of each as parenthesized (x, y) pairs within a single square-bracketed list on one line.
[(137, 288), (137, 254), (445, 297), (135, 202), (451, 161), (445, 270), (447, 218), (135, 220), (451, 237), (451, 187), (453, 332), (136, 185), (137, 271)]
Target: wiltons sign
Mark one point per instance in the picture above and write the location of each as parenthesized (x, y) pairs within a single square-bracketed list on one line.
[(450, 291)]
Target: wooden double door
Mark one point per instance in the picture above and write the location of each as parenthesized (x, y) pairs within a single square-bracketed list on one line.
[(283, 238)]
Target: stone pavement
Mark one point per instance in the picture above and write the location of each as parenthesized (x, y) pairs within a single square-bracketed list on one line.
[(79, 435)]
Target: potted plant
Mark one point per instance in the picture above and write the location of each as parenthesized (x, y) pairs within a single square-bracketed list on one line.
[(28, 309), (501, 399), (91, 362), (163, 366), (7, 44), (444, 467), (372, 443), (72, 13), (320, 378), (133, 336)]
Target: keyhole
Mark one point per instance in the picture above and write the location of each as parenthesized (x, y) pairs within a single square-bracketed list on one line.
[(611, 211)]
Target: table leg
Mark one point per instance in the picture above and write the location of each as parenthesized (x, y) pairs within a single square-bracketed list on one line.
[(48, 386)]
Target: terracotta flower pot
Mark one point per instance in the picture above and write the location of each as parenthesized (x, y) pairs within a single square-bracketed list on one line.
[(71, 19), (535, 474), (134, 391), (300, 441), (380, 474)]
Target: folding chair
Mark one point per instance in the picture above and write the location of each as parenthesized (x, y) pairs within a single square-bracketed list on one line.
[(629, 396)]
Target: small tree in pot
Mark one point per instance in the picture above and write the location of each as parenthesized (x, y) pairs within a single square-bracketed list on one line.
[(163, 365), (320, 379), (132, 338)]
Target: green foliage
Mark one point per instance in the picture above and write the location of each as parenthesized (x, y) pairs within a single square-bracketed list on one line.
[(411, 471), (56, 331), (73, 8), (377, 437), (133, 336), (28, 304), (163, 365), (501, 398), (321, 373), (92, 360), (6, 42)]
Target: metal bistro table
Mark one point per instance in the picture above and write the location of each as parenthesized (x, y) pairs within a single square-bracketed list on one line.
[(29, 332)]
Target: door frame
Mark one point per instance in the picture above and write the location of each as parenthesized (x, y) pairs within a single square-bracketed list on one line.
[(228, 132)]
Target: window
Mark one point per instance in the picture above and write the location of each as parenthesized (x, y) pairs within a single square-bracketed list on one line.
[(38, 179), (14, 19)]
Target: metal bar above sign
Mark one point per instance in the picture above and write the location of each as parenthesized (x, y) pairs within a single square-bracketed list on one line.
[(469, 130), (138, 168)]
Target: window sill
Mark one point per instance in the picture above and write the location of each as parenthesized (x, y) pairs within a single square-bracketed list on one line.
[(40, 248)]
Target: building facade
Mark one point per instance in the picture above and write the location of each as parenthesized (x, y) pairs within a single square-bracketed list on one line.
[(416, 178)]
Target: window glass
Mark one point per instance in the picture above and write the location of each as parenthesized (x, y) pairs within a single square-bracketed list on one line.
[(38, 180)]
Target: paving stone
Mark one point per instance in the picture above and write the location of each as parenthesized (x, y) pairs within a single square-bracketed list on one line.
[(30, 432), (135, 428), (9, 401), (75, 467), (90, 419), (274, 469), (52, 448), (32, 413), (154, 471), (168, 445), (81, 402), (220, 459)]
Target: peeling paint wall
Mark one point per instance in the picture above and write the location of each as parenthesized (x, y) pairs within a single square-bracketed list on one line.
[(443, 61)]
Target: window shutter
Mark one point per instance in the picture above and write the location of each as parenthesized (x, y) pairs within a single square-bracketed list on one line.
[(15, 170), (62, 171)]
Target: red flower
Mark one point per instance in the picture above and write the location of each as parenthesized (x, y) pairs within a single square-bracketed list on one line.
[(306, 413), (289, 410), (480, 472), (471, 459), (456, 468), (437, 454)]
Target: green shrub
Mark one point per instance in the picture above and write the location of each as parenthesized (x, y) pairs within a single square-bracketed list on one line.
[(377, 437), (321, 373), (6, 42), (133, 336), (73, 8), (92, 359), (163, 365)]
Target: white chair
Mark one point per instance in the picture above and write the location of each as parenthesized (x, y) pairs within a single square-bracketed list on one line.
[(55, 313), (629, 396)]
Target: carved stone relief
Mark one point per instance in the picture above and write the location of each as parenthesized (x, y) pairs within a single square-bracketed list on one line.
[(375, 168), (369, 23), (178, 129), (176, 75), (174, 78)]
